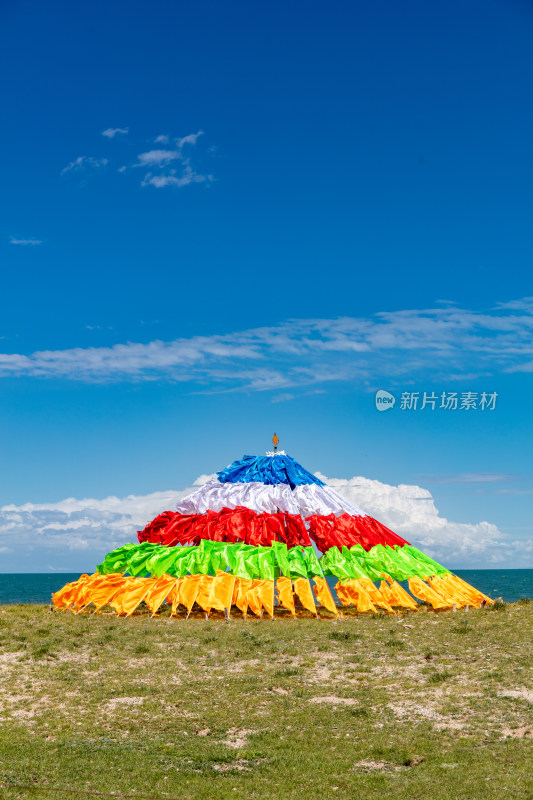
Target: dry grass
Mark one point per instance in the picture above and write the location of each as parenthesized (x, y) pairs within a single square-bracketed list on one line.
[(421, 706)]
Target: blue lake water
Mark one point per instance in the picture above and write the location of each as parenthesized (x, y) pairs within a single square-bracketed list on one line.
[(509, 584)]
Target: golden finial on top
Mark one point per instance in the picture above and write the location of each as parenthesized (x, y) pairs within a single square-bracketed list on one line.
[(275, 442)]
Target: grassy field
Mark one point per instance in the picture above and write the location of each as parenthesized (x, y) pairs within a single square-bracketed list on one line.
[(421, 706)]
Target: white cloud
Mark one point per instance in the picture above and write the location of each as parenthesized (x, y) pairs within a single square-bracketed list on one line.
[(523, 367), (187, 176), (471, 477), (391, 347), (524, 304), (159, 162), (83, 163), (410, 511), (110, 133), (282, 398), (515, 490), (87, 524), (87, 529), (192, 138), (25, 242), (162, 160), (157, 157)]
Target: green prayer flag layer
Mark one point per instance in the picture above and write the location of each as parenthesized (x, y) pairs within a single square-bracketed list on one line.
[(268, 563)]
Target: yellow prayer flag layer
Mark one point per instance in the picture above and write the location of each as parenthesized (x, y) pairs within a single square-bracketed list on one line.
[(223, 591)]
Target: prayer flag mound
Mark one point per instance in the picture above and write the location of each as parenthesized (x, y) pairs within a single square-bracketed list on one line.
[(248, 540)]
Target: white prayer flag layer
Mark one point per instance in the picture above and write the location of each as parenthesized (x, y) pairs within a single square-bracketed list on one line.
[(307, 499)]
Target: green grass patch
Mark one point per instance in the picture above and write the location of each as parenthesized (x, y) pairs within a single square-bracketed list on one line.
[(260, 710)]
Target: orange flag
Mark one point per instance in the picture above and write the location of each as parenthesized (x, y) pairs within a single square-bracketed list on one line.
[(189, 590), (445, 592), (375, 595), (343, 594), (204, 590), (252, 597), (424, 592), (475, 596), (265, 593), (116, 601), (102, 594), (386, 593), (174, 596), (323, 594), (303, 590), (159, 592), (451, 589), (352, 592), (222, 591), (285, 597), (363, 600), (84, 595), (133, 595), (68, 594), (240, 593), (395, 595)]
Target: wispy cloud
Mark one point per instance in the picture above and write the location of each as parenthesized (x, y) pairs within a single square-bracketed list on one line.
[(168, 166), (471, 477), (282, 398), (110, 133), (83, 163), (191, 138), (393, 346), (25, 242), (83, 531), (511, 491), (172, 178), (523, 367), (524, 304), (160, 163), (157, 158)]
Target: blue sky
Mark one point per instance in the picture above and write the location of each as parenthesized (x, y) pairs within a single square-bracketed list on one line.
[(221, 220)]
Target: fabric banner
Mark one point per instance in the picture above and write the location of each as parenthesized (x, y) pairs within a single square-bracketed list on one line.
[(241, 524), (267, 469), (270, 498), (346, 530), (220, 592), (261, 523), (231, 525), (323, 595), (251, 562), (305, 595), (285, 594)]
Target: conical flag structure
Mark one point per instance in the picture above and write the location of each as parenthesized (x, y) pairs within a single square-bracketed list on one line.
[(263, 536)]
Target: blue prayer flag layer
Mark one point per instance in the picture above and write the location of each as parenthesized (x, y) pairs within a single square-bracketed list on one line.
[(269, 470)]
